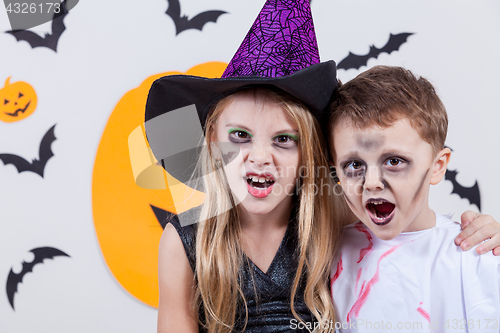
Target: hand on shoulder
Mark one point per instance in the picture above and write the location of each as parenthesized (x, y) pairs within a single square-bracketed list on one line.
[(476, 229)]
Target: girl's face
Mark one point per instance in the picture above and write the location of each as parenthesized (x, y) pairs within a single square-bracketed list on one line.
[(263, 174)]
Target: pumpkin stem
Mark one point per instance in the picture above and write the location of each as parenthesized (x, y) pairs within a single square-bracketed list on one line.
[(7, 82)]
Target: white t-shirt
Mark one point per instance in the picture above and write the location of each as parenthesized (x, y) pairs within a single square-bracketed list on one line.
[(418, 282)]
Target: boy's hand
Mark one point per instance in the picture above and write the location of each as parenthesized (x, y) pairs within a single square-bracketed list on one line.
[(477, 228)]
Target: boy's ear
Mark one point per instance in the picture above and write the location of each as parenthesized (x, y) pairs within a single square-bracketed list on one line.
[(440, 165)]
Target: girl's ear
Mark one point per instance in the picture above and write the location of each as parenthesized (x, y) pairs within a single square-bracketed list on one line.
[(440, 165)]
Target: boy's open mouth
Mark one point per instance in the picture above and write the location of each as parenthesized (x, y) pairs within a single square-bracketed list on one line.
[(380, 211), (260, 186)]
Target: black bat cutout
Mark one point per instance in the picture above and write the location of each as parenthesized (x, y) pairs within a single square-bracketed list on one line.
[(161, 215), (188, 217), (50, 40), (470, 193), (13, 280), (183, 23), (356, 61), (36, 166)]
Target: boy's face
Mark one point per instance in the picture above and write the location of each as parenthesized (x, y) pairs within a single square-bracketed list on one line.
[(385, 175)]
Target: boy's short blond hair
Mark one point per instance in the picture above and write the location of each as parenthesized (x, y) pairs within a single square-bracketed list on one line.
[(384, 94)]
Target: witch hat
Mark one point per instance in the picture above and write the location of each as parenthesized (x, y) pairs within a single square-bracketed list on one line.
[(280, 51)]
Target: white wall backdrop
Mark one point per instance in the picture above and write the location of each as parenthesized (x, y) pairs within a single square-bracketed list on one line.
[(110, 47)]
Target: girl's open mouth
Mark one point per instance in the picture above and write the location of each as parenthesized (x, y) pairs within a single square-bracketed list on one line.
[(380, 211), (260, 186)]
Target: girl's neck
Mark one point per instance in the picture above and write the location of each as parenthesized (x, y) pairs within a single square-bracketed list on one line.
[(276, 219)]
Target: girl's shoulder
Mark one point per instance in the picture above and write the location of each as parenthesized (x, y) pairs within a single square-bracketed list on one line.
[(176, 284), (187, 235)]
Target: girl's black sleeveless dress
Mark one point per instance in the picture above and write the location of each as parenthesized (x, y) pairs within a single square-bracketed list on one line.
[(269, 302)]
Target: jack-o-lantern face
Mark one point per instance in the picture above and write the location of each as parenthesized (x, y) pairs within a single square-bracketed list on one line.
[(17, 101)]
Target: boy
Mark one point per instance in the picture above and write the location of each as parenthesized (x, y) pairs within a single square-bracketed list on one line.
[(398, 269)]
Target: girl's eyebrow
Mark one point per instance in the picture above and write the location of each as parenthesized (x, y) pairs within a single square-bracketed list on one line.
[(238, 126), (287, 131)]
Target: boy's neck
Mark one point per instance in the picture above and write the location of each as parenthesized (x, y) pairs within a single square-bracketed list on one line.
[(426, 219)]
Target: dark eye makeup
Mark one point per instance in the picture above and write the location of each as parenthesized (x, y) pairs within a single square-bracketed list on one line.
[(286, 140), (238, 135), (283, 140), (395, 163), (354, 168)]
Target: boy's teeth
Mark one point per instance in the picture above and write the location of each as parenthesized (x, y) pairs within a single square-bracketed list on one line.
[(255, 179), (262, 179)]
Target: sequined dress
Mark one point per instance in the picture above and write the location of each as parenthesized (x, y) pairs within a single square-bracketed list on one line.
[(268, 310)]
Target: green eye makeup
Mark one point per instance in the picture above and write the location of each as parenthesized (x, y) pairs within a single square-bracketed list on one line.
[(232, 130), (290, 135)]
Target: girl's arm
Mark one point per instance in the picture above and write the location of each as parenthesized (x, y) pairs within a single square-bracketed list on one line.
[(477, 228), (176, 311)]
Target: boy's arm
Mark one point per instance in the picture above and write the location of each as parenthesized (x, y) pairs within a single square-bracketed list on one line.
[(476, 229)]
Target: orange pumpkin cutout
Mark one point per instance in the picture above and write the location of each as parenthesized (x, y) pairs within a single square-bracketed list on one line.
[(17, 101), (124, 213)]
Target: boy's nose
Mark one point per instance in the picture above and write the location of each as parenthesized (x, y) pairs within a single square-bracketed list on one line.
[(260, 155), (373, 181)]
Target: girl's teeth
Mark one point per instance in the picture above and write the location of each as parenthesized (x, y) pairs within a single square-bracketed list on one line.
[(256, 179)]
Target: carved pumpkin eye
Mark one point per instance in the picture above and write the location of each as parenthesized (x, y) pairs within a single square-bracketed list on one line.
[(5, 102), (20, 95)]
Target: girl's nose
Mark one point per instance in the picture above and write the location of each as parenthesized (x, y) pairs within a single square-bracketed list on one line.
[(260, 155)]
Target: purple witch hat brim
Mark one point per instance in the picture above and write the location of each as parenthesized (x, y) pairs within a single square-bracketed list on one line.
[(280, 42)]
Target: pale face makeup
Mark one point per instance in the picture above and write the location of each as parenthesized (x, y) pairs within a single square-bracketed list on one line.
[(263, 176), (385, 175)]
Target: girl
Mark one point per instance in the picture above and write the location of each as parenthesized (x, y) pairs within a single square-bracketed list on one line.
[(259, 259), (251, 260)]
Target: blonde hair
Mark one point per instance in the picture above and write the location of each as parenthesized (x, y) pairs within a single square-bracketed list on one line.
[(218, 252)]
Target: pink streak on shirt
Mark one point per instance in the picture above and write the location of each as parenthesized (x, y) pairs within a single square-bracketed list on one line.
[(365, 292), (337, 273), (362, 288), (357, 278), (424, 313), (364, 251)]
